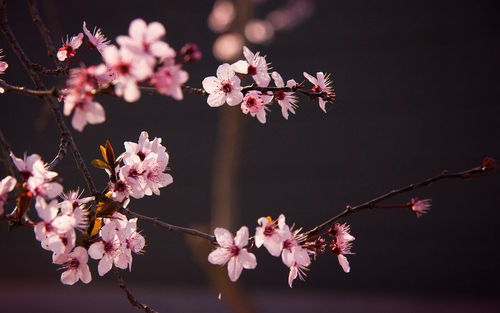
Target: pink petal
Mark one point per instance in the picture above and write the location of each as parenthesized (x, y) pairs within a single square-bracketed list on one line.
[(105, 265), (240, 67), (219, 256), (211, 84), (155, 31), (278, 81), (85, 275), (248, 260), (248, 55), (292, 275), (234, 98), (225, 72), (234, 269), (310, 78), (96, 250), (137, 29), (216, 99), (241, 238), (223, 237), (69, 277), (344, 263)]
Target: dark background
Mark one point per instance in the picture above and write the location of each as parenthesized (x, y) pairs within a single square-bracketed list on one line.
[(417, 89)]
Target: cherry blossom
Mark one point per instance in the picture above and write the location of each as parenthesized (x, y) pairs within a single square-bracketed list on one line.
[(321, 84), (108, 250), (76, 267), (342, 244), (255, 66), (3, 66), (96, 38), (74, 206), (231, 251), (293, 254), (145, 41), (52, 225), (131, 239), (168, 80), (68, 49), (87, 111), (223, 88), (6, 185), (286, 100), (129, 70), (36, 176), (255, 104), (420, 207), (269, 235)]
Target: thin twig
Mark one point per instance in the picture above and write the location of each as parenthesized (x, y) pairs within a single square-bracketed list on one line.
[(61, 153), (29, 92), (6, 152), (130, 297), (371, 204), (44, 31), (169, 227)]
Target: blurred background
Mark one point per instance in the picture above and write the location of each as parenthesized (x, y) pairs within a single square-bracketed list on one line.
[(417, 89)]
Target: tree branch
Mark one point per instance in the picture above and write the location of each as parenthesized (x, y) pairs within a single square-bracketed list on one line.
[(130, 297), (29, 92), (371, 204), (44, 31), (169, 227)]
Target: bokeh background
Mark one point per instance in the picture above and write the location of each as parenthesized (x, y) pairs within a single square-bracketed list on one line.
[(417, 92)]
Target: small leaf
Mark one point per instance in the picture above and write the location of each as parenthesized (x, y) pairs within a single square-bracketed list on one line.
[(110, 154), (100, 164), (103, 153)]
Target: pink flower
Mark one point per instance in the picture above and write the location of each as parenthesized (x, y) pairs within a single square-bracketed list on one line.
[(52, 225), (68, 49), (76, 267), (73, 206), (293, 254), (145, 41), (96, 38), (231, 251), (255, 66), (296, 270), (321, 84), (255, 104), (223, 88), (420, 207), (36, 176), (286, 100), (108, 250), (342, 244), (269, 235), (168, 80), (129, 70), (6, 185), (87, 111)]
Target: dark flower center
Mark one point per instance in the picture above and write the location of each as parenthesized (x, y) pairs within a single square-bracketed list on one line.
[(25, 175), (316, 89), (252, 70), (74, 263), (279, 95), (235, 250), (120, 186), (141, 155), (226, 88), (251, 102)]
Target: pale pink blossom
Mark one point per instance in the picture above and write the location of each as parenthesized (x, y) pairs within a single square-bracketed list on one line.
[(420, 207), (269, 235), (223, 88), (74, 206), (36, 176), (87, 111), (342, 244), (168, 80), (321, 84), (108, 250), (68, 49), (131, 239), (145, 41), (119, 190), (296, 270), (255, 104), (286, 100), (255, 66), (133, 176), (52, 225), (96, 38), (6, 185), (76, 267), (129, 70), (231, 251)]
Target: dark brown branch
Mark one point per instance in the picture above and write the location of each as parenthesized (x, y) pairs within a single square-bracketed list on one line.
[(6, 153), (130, 297), (169, 227), (61, 153), (29, 92), (473, 172), (44, 31)]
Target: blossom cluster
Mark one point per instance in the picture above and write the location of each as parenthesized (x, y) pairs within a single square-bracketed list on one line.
[(142, 59), (279, 239), (143, 171), (255, 99)]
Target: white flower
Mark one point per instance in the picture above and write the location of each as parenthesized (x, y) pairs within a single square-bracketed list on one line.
[(255, 66), (223, 88), (231, 251)]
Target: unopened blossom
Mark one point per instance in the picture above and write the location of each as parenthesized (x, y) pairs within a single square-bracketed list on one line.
[(286, 100), (342, 244), (420, 207), (255, 66), (129, 70), (96, 38), (255, 104), (6, 185), (269, 235), (321, 84), (108, 250), (144, 40), (76, 267), (68, 49), (231, 251), (34, 173), (168, 80), (223, 88)]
